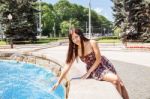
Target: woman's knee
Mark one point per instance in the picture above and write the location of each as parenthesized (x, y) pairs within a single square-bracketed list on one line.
[(110, 77), (116, 81)]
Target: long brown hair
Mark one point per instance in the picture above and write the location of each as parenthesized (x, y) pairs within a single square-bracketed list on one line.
[(73, 48)]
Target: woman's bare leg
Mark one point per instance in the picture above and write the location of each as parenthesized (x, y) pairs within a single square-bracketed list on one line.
[(114, 79), (124, 91)]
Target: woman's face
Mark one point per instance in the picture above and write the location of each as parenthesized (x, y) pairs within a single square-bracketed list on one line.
[(76, 38)]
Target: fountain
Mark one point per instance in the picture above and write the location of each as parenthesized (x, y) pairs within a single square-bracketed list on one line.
[(33, 63)]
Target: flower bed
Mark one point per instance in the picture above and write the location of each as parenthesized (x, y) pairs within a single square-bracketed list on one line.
[(147, 47)]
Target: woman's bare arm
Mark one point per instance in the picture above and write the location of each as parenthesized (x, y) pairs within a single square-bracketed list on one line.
[(63, 74)]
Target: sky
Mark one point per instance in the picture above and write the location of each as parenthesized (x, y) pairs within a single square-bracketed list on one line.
[(102, 7)]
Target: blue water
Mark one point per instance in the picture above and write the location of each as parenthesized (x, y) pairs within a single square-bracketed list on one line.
[(27, 81)]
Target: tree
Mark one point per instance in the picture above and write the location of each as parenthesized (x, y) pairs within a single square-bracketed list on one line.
[(117, 32), (48, 19), (133, 16), (66, 25), (23, 23), (63, 9), (69, 12)]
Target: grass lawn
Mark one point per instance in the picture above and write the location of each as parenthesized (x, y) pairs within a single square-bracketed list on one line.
[(39, 41), (2, 43), (46, 40), (109, 41)]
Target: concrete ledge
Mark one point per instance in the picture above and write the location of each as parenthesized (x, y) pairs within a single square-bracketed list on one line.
[(5, 54), (92, 89)]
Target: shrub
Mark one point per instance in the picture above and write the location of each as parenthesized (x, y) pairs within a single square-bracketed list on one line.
[(107, 37)]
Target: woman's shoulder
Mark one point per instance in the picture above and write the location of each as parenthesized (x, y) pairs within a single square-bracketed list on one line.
[(93, 42)]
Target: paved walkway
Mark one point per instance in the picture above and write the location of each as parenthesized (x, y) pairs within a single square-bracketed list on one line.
[(92, 89), (135, 77), (132, 66)]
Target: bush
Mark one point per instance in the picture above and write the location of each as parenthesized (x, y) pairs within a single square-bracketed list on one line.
[(147, 41), (107, 37)]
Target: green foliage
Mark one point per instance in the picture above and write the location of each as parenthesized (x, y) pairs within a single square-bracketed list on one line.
[(66, 25), (63, 9), (46, 40), (57, 18), (64, 28), (74, 23), (119, 12), (118, 31), (48, 19), (2, 43), (109, 41), (23, 22), (133, 16), (147, 41), (107, 37), (70, 12)]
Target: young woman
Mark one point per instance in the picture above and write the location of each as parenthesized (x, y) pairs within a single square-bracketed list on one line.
[(98, 67)]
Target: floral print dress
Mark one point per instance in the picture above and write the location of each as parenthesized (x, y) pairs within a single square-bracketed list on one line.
[(104, 67)]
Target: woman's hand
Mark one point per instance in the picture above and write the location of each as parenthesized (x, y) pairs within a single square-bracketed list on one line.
[(85, 76), (55, 86)]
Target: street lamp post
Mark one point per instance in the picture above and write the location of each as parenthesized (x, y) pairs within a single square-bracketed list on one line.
[(11, 38), (56, 18), (86, 29), (54, 29), (89, 19), (70, 25), (104, 30), (1, 32), (40, 29)]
